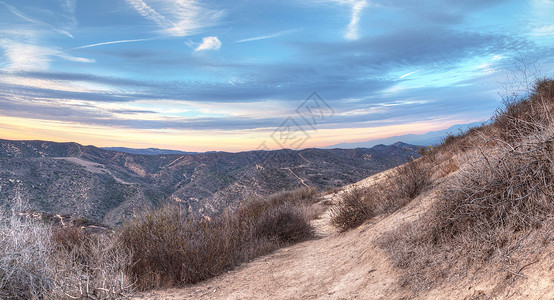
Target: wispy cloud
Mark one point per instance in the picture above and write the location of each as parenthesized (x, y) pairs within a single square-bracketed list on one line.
[(352, 31), (24, 57), (545, 30), (148, 12), (177, 17), (408, 74), (540, 20), (69, 7), (18, 13), (267, 36), (209, 43), (113, 42), (28, 57)]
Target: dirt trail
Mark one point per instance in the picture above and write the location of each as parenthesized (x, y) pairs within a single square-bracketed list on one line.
[(331, 266), (347, 265), (301, 180)]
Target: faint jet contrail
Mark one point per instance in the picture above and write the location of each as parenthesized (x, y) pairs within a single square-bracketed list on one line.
[(113, 42), (18, 13)]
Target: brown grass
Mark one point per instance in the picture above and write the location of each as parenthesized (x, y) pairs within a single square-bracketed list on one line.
[(171, 247), (382, 197), (161, 247), (41, 262), (495, 208), (352, 211)]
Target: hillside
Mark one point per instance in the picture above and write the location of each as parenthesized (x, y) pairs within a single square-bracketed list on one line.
[(107, 186), (353, 265), (480, 227), (147, 151)]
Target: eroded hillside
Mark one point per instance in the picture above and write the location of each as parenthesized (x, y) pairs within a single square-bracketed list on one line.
[(108, 186)]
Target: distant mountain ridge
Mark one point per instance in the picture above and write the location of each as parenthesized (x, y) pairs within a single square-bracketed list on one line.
[(109, 186), (147, 151), (427, 139)]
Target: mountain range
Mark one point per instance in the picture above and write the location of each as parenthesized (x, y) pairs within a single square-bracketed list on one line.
[(147, 151), (427, 139), (108, 186)]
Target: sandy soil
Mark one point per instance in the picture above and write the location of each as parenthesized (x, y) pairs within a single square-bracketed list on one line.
[(350, 265)]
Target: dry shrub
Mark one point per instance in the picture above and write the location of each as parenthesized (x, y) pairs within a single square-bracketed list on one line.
[(352, 211), (508, 190), (171, 247), (385, 196), (69, 237), (284, 224), (38, 262), (25, 253), (495, 207), (159, 248), (91, 267), (524, 116), (449, 166), (484, 213), (410, 180)]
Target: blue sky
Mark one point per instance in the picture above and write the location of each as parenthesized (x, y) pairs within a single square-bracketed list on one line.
[(224, 75)]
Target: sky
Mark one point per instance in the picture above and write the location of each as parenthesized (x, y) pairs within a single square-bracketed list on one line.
[(244, 75)]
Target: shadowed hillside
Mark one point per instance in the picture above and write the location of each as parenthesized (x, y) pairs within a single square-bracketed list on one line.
[(107, 186)]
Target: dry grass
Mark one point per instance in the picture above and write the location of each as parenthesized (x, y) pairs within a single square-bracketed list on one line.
[(162, 247), (352, 211), (498, 209), (25, 253), (172, 248), (382, 197), (39, 262)]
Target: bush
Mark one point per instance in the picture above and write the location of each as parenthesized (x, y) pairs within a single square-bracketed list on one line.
[(495, 207), (523, 116), (285, 224), (509, 189), (384, 196), (39, 262), (69, 238), (171, 247), (352, 211), (90, 266), (410, 180), (25, 254)]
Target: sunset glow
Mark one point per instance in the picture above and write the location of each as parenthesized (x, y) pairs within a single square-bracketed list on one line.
[(216, 75)]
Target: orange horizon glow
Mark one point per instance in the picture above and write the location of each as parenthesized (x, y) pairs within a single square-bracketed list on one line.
[(13, 128)]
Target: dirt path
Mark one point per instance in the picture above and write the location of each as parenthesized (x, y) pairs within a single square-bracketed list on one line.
[(350, 265), (301, 180), (331, 266)]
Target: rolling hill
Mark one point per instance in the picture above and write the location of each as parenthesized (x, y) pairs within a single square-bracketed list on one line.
[(108, 186)]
